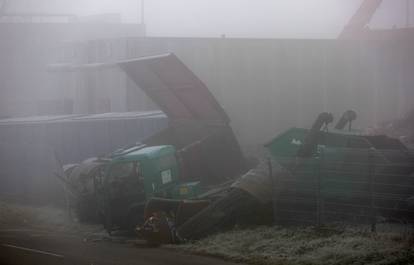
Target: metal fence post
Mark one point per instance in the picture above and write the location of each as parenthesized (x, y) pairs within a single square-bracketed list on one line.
[(371, 172), (274, 193), (320, 206)]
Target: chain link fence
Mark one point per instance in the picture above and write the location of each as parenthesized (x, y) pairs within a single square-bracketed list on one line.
[(359, 186)]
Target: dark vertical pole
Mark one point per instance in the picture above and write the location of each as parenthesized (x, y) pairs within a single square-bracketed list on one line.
[(371, 168), (274, 193), (318, 192), (319, 205), (321, 174)]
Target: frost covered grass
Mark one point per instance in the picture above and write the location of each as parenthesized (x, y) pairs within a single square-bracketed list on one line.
[(310, 245)]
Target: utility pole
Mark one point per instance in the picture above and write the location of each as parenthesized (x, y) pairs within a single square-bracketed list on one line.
[(407, 13)]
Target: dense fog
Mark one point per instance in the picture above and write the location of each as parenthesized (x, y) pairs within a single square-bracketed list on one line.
[(261, 132)]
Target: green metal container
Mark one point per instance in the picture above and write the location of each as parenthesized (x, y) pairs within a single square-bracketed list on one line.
[(341, 163)]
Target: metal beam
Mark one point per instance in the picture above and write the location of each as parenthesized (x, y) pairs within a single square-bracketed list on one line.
[(360, 19)]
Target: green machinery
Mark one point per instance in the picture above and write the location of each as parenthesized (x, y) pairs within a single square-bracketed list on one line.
[(154, 170), (198, 149), (345, 173), (344, 168), (135, 175)]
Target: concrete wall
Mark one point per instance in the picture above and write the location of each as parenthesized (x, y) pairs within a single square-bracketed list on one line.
[(26, 88), (267, 86)]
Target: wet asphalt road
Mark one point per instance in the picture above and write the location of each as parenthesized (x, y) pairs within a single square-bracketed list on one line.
[(28, 246)]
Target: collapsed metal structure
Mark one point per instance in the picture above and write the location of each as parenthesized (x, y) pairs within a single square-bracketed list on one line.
[(207, 150), (200, 130), (316, 176)]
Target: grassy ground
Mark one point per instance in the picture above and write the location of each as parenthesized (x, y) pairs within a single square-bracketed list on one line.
[(329, 245)]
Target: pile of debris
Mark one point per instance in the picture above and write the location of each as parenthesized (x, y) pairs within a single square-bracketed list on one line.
[(190, 180), (402, 129), (289, 154)]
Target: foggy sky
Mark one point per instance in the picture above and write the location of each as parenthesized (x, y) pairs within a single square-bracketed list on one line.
[(234, 18)]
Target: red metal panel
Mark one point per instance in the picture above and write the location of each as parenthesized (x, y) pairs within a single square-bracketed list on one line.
[(361, 18), (174, 88)]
